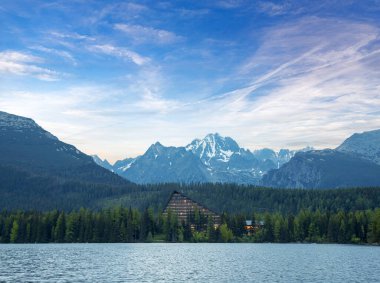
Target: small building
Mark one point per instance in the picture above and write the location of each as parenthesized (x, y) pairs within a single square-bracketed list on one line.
[(249, 228), (185, 208), (252, 227)]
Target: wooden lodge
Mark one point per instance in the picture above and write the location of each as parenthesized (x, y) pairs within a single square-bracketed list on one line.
[(184, 207)]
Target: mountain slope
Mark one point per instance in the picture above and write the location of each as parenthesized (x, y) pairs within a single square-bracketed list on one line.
[(324, 169), (24, 143), (27, 146), (355, 163), (365, 145), (36, 166), (103, 163)]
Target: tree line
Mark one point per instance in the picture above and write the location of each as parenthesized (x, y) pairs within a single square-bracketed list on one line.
[(121, 224)]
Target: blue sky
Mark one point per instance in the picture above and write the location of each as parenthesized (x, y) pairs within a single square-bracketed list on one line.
[(113, 77)]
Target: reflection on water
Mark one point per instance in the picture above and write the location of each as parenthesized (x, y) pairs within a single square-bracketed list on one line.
[(189, 263)]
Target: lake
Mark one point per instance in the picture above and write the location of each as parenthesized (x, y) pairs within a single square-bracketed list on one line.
[(189, 263)]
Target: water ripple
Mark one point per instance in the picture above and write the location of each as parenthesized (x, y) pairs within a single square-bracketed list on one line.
[(188, 263)]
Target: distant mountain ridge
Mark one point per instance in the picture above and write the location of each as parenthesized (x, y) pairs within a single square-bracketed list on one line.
[(355, 163), (212, 159)]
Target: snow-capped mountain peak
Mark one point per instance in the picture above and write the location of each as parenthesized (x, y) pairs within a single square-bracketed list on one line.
[(212, 159), (214, 147)]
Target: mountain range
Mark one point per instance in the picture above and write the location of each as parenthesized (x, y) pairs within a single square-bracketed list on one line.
[(355, 163), (34, 164), (212, 159)]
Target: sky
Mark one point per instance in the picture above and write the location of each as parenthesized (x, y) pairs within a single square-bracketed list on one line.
[(114, 77)]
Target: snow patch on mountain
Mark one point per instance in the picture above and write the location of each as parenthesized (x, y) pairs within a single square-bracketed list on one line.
[(10, 122)]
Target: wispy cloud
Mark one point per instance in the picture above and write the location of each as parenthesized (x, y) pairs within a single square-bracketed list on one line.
[(61, 53), (19, 63), (230, 4), (191, 13), (273, 9), (148, 90), (71, 35), (120, 52), (145, 34), (118, 11), (151, 102), (314, 93)]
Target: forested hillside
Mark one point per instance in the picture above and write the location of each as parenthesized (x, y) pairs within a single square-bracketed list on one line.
[(20, 189), (234, 198), (25, 191)]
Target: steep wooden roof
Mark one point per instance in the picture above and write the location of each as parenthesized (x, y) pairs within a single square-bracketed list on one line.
[(184, 206)]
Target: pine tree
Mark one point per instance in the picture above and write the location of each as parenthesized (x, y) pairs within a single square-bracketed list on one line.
[(14, 232), (60, 228), (226, 234)]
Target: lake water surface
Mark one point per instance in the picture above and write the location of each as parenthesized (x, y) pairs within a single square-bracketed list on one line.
[(189, 263)]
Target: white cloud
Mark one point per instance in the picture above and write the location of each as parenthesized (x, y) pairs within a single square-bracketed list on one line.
[(120, 52), (144, 34), (18, 63)]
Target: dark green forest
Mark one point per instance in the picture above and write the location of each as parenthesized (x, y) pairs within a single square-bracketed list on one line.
[(20, 190), (42, 209), (131, 225), (236, 199)]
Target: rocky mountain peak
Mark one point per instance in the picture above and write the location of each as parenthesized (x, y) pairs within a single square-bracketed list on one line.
[(214, 146), (366, 145)]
